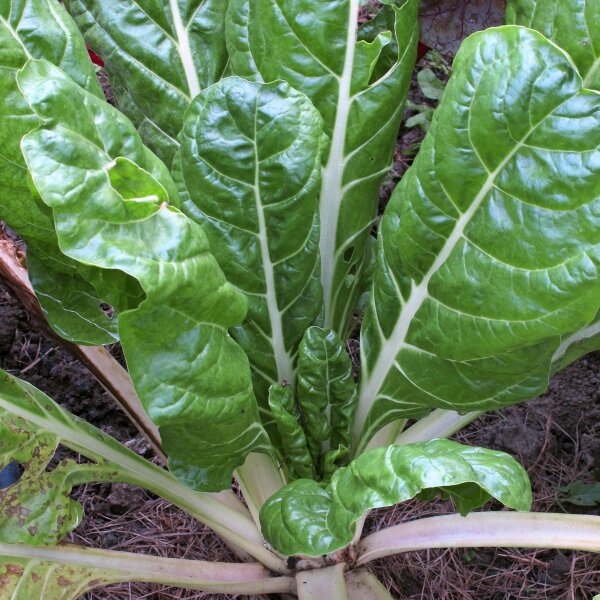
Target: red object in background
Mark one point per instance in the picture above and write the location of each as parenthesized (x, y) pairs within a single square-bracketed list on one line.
[(422, 50), (95, 58)]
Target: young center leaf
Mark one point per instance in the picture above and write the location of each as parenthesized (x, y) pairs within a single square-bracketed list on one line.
[(358, 81), (158, 56), (296, 454), (307, 518), (489, 248), (110, 200), (326, 390), (573, 24), (250, 169)]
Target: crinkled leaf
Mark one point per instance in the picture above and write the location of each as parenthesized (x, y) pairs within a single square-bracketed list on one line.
[(293, 439), (575, 27), (573, 24), (326, 389), (43, 29), (306, 518), (314, 47), (489, 249), (250, 165), (158, 56), (194, 381)]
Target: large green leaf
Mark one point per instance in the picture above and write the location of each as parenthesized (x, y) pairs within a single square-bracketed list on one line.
[(250, 163), (573, 24), (359, 84), (489, 249), (110, 199), (43, 29), (306, 518), (158, 55)]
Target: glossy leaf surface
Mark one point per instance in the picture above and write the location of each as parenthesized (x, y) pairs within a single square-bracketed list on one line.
[(158, 55), (250, 163), (326, 390), (293, 439), (573, 24), (306, 518), (43, 29), (489, 249), (109, 195), (359, 84)]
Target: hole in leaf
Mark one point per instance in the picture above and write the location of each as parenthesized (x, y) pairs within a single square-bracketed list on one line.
[(10, 474), (348, 254), (107, 309)]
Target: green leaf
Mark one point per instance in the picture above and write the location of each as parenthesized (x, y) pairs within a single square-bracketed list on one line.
[(430, 85), (581, 494), (489, 248), (422, 119), (306, 518), (43, 29), (250, 166), (295, 449), (192, 378), (37, 509), (69, 303), (574, 25), (326, 390), (313, 46), (158, 56)]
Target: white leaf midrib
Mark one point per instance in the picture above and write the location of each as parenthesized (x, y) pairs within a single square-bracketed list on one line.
[(283, 359), (574, 338), (333, 172), (419, 293), (184, 49)]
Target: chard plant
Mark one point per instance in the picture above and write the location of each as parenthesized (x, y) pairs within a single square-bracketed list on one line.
[(225, 213)]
